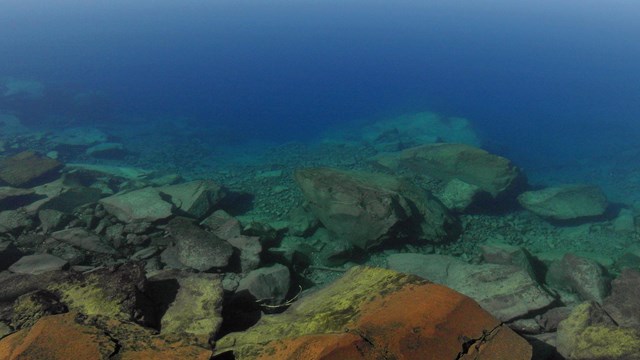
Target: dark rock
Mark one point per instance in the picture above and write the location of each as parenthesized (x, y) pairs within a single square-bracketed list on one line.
[(30, 307), (13, 285), (579, 275), (623, 305), (27, 169), (268, 285), (198, 249), (14, 221), (550, 319), (250, 249), (9, 254), (222, 224), (38, 264), (170, 258), (52, 220), (13, 198), (83, 239)]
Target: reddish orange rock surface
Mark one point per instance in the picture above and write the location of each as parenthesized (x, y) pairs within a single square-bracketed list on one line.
[(407, 319), (70, 336)]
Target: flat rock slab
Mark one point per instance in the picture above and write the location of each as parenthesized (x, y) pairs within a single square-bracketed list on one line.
[(507, 292), (195, 198), (491, 173), (567, 202), (83, 239), (38, 264), (12, 198), (373, 313), (139, 205), (27, 169)]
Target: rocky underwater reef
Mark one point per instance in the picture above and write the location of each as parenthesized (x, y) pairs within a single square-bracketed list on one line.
[(405, 240)]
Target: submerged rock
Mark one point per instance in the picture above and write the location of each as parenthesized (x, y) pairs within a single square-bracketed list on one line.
[(623, 305), (199, 249), (268, 285), (13, 198), (491, 173), (139, 205), (567, 202), (83, 239), (580, 275), (366, 209), (507, 292), (38, 264), (107, 151), (590, 334), (195, 198), (373, 313), (27, 169)]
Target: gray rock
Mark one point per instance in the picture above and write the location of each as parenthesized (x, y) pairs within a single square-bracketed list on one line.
[(9, 254), (196, 307), (582, 276), (83, 239), (268, 285), (139, 205), (169, 257), (52, 220), (567, 202), (505, 254), (82, 137), (624, 223), (459, 195), (550, 319), (27, 169), (491, 173), (198, 249), (195, 198), (70, 198), (507, 292), (623, 305), (250, 249), (368, 209), (38, 264), (302, 222), (14, 285), (222, 224), (14, 221)]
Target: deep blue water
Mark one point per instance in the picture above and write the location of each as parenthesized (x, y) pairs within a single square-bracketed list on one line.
[(540, 80)]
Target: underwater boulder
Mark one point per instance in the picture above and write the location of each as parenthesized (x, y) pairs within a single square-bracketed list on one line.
[(145, 204), (195, 198), (579, 275), (493, 174), (623, 305), (12, 198), (267, 285), (367, 209), (197, 248), (589, 333), (193, 303), (28, 169), (568, 202), (109, 150), (73, 139), (378, 313), (83, 239), (507, 292), (38, 264)]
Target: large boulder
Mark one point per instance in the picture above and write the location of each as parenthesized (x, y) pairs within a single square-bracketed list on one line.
[(13, 198), (566, 202), (193, 303), (27, 169), (76, 336), (144, 204), (197, 248), (491, 173), (38, 264), (195, 198), (267, 285), (623, 304), (589, 333), (579, 275), (507, 292), (366, 209), (373, 313)]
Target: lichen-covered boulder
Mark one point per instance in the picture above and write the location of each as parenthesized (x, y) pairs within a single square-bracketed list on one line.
[(77, 336), (590, 334), (507, 292), (193, 303), (566, 202), (367, 209), (373, 313), (27, 169), (491, 173)]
